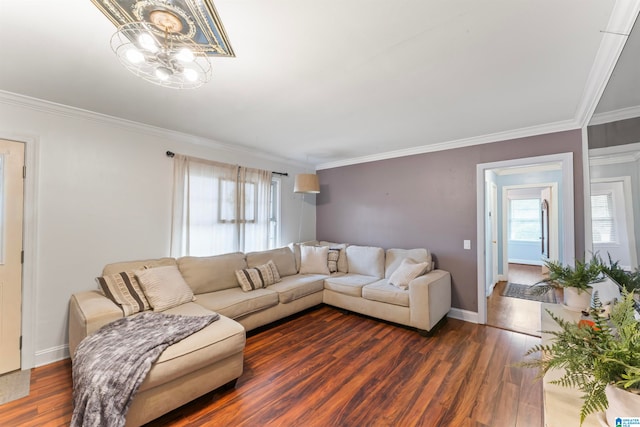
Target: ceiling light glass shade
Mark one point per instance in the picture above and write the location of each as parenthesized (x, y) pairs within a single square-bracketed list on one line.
[(158, 58)]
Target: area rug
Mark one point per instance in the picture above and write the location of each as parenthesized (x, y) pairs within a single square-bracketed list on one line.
[(516, 290), (14, 386)]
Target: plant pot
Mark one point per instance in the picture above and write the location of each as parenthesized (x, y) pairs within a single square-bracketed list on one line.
[(577, 299), (622, 404)]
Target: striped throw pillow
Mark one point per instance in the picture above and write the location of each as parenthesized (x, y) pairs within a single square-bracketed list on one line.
[(124, 290), (258, 277), (332, 260)]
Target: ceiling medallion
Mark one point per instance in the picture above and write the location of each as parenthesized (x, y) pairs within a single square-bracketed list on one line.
[(167, 42)]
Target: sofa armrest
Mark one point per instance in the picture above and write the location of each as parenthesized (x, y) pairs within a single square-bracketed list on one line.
[(88, 312), (429, 299)]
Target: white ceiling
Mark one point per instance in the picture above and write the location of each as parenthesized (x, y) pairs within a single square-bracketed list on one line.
[(323, 82)]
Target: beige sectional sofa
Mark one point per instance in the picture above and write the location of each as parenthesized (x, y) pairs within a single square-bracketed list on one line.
[(213, 356)]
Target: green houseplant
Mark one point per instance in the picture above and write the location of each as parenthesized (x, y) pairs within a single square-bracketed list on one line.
[(594, 355), (575, 281), (629, 279)]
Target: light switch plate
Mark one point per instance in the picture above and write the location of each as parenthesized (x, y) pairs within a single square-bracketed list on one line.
[(467, 244)]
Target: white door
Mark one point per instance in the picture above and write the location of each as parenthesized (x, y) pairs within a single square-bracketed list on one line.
[(11, 215)]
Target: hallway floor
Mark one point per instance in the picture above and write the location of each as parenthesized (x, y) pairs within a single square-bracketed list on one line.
[(516, 314)]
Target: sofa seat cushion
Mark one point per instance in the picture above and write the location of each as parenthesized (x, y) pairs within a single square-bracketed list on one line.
[(236, 303), (349, 284), (383, 291), (295, 287), (219, 340)]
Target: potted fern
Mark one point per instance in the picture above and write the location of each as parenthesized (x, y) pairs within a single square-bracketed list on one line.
[(600, 357), (575, 281)]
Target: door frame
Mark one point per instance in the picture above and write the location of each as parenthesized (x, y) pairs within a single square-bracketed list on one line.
[(554, 249), (29, 242), (568, 226)]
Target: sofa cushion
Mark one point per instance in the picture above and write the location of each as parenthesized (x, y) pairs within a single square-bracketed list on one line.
[(406, 272), (395, 256), (314, 260), (117, 267), (295, 287), (383, 291), (282, 257), (343, 266), (259, 276), (164, 287), (235, 303), (366, 260), (217, 341), (124, 290), (214, 273), (349, 284)]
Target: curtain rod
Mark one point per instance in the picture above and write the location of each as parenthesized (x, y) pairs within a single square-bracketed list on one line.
[(171, 154)]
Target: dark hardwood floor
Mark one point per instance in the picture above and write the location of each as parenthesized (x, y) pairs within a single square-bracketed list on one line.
[(328, 368)]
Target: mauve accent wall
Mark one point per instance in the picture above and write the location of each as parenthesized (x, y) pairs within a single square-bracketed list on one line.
[(429, 200)]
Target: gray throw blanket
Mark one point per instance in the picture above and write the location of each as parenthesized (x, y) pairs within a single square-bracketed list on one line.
[(110, 365)]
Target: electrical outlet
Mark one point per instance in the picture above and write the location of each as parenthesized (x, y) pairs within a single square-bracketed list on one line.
[(467, 244)]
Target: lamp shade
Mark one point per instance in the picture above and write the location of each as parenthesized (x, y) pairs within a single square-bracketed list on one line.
[(306, 183)]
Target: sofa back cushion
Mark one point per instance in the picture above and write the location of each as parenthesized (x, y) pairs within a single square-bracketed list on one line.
[(214, 273), (395, 257), (282, 257), (366, 260), (126, 266)]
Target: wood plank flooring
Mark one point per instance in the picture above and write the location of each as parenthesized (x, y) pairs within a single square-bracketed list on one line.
[(516, 314), (329, 368)]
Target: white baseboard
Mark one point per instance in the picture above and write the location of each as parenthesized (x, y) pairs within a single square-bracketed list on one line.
[(467, 316), (502, 277), (50, 355)]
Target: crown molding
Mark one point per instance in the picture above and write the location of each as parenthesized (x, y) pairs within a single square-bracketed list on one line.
[(615, 115), (460, 143), (623, 16), (54, 108)]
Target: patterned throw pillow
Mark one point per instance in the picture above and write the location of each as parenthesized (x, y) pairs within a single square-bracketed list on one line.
[(332, 260), (164, 287), (406, 272), (258, 277), (124, 290)]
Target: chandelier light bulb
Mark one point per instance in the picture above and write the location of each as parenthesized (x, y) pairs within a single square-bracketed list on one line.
[(148, 42), (185, 55), (134, 56), (163, 73), (191, 74)]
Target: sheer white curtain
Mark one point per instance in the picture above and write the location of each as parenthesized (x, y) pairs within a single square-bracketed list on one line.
[(218, 208), (254, 190)]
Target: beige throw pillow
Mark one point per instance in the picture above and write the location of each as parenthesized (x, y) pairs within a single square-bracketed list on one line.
[(257, 277), (314, 260), (406, 272), (164, 287)]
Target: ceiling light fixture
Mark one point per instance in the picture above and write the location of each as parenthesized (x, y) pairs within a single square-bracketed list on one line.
[(167, 42), (154, 52)]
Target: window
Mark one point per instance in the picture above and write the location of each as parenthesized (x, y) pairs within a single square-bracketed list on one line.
[(524, 220), (602, 218), (221, 208)]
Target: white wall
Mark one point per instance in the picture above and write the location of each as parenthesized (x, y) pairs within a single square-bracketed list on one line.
[(103, 194)]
